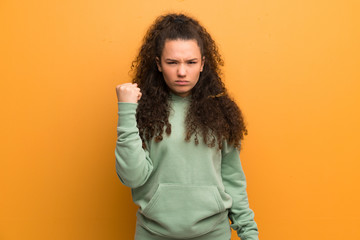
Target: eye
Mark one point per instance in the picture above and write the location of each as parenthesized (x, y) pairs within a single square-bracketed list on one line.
[(171, 62), (192, 62)]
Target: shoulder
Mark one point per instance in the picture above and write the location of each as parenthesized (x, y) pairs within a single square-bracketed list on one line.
[(229, 148)]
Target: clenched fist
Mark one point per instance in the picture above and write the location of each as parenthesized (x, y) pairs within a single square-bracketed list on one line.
[(128, 92)]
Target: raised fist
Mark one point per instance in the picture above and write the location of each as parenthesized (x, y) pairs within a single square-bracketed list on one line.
[(128, 92)]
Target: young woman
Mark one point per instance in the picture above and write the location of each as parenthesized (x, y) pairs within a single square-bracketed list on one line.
[(179, 138)]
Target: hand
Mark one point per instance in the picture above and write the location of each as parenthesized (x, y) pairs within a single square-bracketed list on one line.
[(128, 92)]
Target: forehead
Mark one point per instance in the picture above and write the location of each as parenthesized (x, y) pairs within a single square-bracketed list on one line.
[(181, 49)]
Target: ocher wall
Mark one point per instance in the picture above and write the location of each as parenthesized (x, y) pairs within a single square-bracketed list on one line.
[(293, 67)]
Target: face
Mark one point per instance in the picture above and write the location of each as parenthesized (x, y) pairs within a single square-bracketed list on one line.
[(181, 64)]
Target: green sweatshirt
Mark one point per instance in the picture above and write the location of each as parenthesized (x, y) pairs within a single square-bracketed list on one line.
[(183, 190)]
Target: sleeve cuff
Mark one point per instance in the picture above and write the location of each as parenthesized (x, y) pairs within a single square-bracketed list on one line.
[(126, 107), (127, 114)]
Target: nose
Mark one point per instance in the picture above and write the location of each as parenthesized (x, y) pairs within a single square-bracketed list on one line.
[(181, 71)]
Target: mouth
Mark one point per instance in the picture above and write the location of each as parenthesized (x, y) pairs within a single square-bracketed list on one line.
[(181, 82)]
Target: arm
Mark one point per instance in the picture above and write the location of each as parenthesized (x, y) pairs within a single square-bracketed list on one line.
[(133, 164), (241, 216)]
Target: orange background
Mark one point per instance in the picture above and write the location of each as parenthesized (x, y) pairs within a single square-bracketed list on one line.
[(292, 66)]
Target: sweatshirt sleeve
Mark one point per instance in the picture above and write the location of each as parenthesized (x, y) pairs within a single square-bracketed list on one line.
[(133, 164), (241, 216)]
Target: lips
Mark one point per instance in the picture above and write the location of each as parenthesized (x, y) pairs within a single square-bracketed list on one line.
[(181, 82)]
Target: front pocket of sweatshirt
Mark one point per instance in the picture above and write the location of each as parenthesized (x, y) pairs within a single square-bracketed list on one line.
[(183, 211)]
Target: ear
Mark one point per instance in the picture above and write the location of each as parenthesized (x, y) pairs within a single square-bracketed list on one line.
[(158, 64), (202, 63)]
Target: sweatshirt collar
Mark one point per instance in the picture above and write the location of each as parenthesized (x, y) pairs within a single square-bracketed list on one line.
[(175, 97)]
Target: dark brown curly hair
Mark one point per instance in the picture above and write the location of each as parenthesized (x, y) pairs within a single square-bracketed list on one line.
[(212, 115)]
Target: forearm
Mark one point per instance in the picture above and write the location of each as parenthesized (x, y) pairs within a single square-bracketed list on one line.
[(133, 164), (240, 214)]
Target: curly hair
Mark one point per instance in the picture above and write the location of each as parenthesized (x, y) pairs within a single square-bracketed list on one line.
[(212, 114)]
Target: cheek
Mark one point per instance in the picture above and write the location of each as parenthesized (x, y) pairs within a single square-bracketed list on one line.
[(168, 73), (196, 75)]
